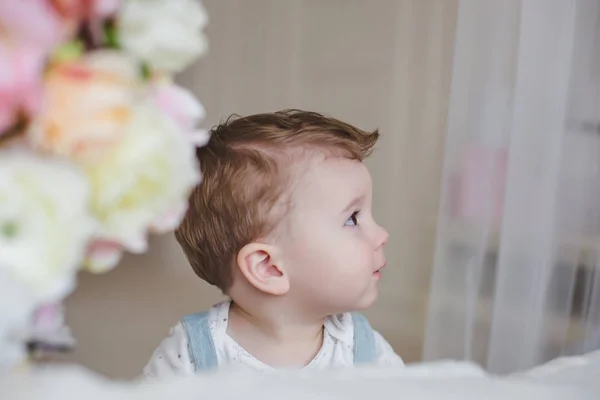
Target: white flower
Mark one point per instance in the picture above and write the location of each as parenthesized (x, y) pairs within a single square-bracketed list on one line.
[(150, 172), (44, 222), (165, 33), (16, 307), (47, 327)]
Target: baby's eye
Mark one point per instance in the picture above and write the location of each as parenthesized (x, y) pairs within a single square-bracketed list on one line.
[(353, 220)]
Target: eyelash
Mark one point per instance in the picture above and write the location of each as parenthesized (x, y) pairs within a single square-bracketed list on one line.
[(353, 218)]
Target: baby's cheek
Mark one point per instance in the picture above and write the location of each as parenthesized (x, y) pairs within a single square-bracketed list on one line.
[(358, 258)]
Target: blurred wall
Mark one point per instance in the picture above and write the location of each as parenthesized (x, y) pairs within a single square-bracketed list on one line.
[(377, 63)]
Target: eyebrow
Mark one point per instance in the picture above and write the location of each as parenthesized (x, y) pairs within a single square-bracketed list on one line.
[(352, 205)]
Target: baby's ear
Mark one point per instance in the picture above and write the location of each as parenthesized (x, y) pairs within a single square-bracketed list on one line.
[(260, 264)]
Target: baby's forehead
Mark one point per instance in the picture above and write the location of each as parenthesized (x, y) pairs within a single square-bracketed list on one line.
[(328, 179), (318, 188)]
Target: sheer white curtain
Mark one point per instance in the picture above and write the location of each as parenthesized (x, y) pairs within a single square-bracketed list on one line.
[(516, 278)]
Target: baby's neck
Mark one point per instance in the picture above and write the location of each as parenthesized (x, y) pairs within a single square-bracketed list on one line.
[(276, 340)]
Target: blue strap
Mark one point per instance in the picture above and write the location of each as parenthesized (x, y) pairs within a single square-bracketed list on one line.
[(204, 357), (364, 341), (200, 342)]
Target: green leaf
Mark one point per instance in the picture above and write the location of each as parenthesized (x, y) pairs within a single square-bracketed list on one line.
[(68, 51), (9, 229), (111, 35), (146, 72)]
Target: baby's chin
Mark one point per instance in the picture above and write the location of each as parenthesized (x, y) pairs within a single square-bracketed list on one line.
[(359, 302), (367, 300)]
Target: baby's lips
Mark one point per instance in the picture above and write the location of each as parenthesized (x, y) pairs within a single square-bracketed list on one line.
[(382, 266)]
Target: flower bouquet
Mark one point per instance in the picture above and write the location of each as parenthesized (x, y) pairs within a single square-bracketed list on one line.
[(97, 145)]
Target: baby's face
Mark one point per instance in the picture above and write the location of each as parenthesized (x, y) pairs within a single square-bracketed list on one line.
[(333, 249)]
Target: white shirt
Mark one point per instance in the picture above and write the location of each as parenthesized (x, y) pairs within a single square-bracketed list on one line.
[(172, 356)]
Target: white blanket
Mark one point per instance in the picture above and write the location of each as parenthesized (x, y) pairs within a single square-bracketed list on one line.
[(571, 379)]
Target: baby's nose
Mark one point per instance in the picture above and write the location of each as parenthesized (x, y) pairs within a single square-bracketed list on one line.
[(382, 237)]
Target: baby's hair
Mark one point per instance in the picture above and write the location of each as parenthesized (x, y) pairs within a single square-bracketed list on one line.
[(245, 172)]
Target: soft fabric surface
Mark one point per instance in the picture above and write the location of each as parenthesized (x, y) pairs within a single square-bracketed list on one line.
[(572, 379)]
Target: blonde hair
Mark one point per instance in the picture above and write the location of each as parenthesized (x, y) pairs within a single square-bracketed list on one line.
[(243, 179)]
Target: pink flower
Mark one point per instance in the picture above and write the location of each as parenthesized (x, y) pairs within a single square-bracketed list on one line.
[(105, 8), (79, 9), (44, 24), (31, 23), (183, 107), (29, 31), (92, 12), (20, 83)]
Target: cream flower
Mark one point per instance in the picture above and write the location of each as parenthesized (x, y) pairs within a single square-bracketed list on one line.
[(44, 222), (167, 34), (88, 105), (150, 171)]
